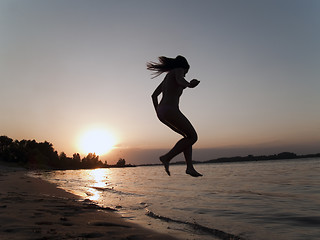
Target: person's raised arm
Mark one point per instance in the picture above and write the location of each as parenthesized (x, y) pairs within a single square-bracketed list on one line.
[(179, 74), (155, 95)]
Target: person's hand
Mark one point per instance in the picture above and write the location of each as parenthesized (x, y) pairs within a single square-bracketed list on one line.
[(194, 83)]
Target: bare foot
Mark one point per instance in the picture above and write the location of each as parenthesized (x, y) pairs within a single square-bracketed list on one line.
[(193, 173), (165, 164)]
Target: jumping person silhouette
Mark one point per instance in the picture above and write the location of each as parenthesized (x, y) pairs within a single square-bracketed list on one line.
[(168, 110)]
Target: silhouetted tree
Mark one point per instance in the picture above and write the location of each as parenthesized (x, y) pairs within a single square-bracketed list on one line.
[(5, 142), (76, 157), (91, 161), (62, 156), (121, 162), (5, 145)]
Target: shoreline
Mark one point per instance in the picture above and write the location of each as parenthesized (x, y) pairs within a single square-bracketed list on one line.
[(31, 208)]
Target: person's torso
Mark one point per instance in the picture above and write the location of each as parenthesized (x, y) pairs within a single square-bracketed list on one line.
[(171, 90)]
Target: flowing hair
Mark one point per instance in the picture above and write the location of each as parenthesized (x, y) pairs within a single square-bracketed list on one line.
[(166, 64)]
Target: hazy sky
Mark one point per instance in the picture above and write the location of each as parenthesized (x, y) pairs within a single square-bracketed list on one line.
[(69, 66)]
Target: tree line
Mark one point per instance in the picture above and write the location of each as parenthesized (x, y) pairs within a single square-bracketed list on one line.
[(33, 155)]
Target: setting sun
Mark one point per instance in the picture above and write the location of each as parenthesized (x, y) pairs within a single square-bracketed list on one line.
[(97, 141)]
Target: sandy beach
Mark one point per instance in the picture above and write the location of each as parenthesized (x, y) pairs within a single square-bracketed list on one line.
[(31, 208)]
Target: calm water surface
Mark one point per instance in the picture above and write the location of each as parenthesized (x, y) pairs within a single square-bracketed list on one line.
[(251, 200)]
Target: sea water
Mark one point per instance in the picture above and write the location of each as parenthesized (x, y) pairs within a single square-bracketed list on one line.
[(250, 200)]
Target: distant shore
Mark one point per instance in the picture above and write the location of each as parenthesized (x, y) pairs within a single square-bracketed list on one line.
[(31, 154), (249, 158)]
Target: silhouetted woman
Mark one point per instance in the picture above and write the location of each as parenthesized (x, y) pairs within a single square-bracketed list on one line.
[(168, 110)]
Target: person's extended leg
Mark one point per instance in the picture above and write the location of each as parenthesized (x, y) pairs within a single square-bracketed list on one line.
[(190, 169)]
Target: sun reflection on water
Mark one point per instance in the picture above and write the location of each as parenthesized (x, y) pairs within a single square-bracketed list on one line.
[(99, 179)]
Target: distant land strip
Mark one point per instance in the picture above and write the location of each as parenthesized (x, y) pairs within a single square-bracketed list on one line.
[(249, 158), (31, 154)]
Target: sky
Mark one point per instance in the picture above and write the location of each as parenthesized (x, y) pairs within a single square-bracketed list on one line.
[(67, 67)]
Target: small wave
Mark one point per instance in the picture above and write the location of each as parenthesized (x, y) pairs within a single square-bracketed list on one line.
[(112, 190), (308, 221), (267, 194), (215, 232), (305, 221)]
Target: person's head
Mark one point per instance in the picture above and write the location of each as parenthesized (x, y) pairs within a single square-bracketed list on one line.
[(166, 64)]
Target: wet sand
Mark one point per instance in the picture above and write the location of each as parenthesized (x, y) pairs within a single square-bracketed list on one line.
[(31, 208)]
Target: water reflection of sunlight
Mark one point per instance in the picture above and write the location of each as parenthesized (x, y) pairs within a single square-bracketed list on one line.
[(98, 176)]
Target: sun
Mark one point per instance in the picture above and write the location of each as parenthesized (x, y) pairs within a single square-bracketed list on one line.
[(98, 141)]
